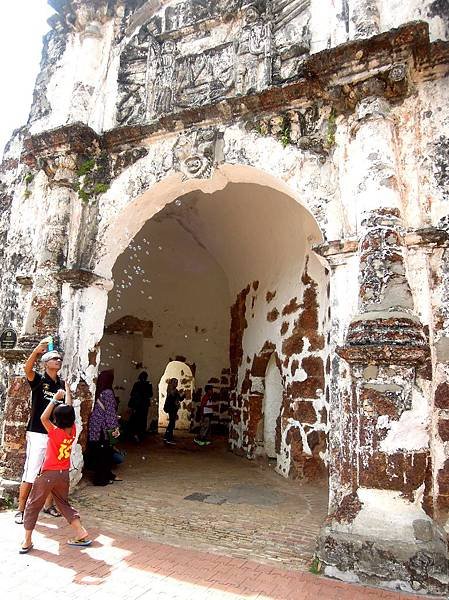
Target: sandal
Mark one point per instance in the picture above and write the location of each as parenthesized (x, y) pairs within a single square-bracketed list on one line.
[(25, 549), (18, 517), (52, 510), (81, 542)]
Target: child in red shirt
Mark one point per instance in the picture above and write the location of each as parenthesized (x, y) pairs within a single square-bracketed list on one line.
[(54, 475)]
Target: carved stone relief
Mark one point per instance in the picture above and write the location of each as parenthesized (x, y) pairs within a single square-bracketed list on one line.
[(195, 153), (203, 78), (253, 52), (138, 65), (291, 33), (159, 73)]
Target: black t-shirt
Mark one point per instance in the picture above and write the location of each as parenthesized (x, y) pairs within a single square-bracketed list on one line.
[(172, 402), (141, 395), (42, 389)]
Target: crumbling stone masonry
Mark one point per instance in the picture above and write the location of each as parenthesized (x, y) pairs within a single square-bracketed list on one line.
[(260, 187)]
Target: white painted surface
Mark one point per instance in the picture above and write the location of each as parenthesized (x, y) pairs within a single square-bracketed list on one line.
[(271, 405), (385, 514)]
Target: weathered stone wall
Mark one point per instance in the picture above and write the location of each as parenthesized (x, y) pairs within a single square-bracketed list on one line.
[(294, 332), (139, 104)]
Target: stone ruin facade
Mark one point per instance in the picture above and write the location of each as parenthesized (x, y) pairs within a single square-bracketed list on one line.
[(279, 171)]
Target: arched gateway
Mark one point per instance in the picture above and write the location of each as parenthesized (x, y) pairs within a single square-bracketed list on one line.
[(282, 198)]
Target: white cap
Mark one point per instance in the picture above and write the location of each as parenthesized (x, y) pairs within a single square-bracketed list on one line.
[(49, 355)]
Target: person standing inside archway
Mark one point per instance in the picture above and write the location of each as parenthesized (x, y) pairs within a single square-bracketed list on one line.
[(171, 407), (103, 420), (43, 387), (206, 415), (139, 403)]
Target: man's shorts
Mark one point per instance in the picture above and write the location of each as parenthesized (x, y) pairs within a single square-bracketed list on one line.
[(35, 454)]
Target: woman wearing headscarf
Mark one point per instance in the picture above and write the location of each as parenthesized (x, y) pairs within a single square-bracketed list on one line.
[(102, 420), (139, 404)]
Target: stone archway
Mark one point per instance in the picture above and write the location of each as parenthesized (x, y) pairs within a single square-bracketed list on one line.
[(274, 299)]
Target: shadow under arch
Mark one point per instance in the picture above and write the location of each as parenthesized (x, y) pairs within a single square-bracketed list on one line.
[(121, 229)]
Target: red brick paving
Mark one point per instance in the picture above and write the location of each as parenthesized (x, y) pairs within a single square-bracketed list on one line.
[(124, 567)]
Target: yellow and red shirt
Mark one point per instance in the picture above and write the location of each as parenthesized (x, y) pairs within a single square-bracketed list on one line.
[(59, 449)]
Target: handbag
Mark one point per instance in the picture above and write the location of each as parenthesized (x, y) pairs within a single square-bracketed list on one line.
[(113, 440)]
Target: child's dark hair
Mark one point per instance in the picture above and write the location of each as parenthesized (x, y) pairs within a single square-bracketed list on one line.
[(64, 416), (208, 388)]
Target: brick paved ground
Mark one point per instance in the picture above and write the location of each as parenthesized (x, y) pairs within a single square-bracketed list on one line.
[(124, 567), (252, 538), (249, 509)]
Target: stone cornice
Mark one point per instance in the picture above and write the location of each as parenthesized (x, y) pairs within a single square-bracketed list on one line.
[(430, 237), (14, 355), (386, 64), (383, 355), (82, 278), (76, 139)]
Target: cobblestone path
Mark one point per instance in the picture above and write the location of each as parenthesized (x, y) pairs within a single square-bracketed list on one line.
[(244, 534), (209, 499)]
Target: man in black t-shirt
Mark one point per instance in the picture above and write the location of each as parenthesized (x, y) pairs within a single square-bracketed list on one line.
[(43, 388)]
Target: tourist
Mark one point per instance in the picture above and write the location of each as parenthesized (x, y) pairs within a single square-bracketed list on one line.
[(54, 475), (139, 403), (171, 407), (206, 412), (103, 425), (43, 387)]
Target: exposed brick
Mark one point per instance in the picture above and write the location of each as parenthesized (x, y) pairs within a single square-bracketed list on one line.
[(379, 403), (291, 307), (272, 315), (400, 471), (443, 429), (238, 325), (304, 412), (86, 402), (284, 328), (442, 395)]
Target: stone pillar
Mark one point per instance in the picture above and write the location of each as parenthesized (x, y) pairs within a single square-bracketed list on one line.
[(84, 304), (12, 450), (57, 152), (380, 532), (44, 314), (88, 64)]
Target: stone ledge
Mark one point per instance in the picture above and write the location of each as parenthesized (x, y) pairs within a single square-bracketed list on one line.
[(432, 237), (14, 354), (383, 355), (404, 565), (82, 278), (75, 138)]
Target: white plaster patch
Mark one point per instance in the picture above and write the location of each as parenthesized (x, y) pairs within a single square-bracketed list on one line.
[(347, 576), (411, 431), (385, 514)]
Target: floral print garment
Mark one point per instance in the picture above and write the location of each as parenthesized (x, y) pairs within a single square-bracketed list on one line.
[(102, 420)]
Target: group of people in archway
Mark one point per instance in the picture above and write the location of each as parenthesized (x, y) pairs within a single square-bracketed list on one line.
[(51, 432)]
